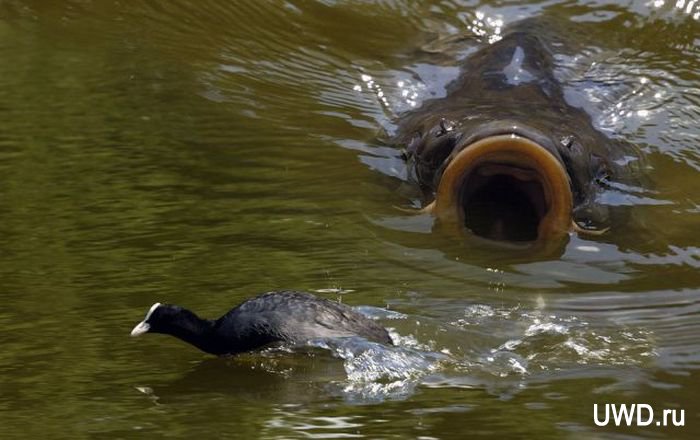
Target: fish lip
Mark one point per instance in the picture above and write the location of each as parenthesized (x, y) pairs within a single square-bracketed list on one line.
[(500, 145), (507, 127)]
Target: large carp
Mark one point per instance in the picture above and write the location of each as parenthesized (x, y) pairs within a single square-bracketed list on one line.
[(504, 156)]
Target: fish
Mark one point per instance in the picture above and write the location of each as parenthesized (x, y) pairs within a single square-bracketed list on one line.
[(505, 157)]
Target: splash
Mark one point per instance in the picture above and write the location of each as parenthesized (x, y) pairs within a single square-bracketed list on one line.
[(376, 372)]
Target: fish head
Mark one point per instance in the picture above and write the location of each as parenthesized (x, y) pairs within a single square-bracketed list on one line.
[(505, 182)]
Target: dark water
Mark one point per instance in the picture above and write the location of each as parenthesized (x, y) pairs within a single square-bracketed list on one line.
[(200, 153)]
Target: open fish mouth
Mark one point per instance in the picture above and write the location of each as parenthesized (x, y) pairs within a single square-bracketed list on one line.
[(505, 188)]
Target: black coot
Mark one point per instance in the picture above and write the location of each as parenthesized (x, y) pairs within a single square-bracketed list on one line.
[(271, 317)]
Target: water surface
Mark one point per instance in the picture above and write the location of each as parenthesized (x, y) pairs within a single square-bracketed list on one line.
[(201, 153)]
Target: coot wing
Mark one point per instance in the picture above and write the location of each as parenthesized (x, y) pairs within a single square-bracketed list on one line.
[(298, 316)]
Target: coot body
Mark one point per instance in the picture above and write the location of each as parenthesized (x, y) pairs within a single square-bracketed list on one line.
[(285, 316)]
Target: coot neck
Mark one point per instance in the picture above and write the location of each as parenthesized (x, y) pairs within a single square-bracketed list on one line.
[(198, 332)]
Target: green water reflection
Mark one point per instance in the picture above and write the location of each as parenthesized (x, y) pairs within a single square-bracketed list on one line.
[(201, 153)]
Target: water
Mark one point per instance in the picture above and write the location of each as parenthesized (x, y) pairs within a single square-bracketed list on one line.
[(202, 153)]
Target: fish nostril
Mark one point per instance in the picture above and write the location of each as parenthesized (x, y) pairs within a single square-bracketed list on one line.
[(445, 127), (567, 141), (602, 178)]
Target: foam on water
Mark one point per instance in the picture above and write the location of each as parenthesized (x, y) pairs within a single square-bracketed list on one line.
[(534, 340)]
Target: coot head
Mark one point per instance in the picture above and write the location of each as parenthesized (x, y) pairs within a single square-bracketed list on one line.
[(161, 318)]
